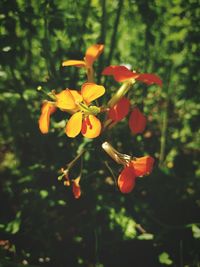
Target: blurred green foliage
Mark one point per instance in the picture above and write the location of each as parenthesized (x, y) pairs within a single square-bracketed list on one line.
[(158, 223)]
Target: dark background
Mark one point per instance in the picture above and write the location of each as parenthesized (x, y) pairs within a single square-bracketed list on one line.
[(41, 224)]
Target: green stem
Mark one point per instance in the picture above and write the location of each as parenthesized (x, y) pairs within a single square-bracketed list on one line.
[(163, 136), (121, 92)]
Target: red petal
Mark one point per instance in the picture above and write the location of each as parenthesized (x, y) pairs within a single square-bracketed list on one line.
[(137, 121), (143, 166), (126, 180), (149, 79), (76, 188), (119, 110), (120, 73)]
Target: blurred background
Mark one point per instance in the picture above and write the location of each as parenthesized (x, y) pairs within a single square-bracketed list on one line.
[(41, 224)]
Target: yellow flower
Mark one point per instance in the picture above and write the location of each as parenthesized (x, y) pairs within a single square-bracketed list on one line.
[(84, 120), (77, 103)]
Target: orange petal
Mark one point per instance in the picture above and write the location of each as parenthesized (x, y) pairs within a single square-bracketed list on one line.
[(76, 95), (65, 100), (91, 91), (76, 63), (74, 125), (149, 79), (91, 127), (126, 180), (137, 121), (119, 110), (120, 73), (92, 53), (76, 188), (47, 109), (143, 165)]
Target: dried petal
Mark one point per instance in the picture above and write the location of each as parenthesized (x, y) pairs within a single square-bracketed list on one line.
[(76, 188)]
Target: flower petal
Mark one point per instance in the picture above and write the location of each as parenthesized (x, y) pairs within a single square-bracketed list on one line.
[(92, 53), (91, 91), (76, 95), (65, 100), (120, 73), (126, 180), (119, 110), (91, 127), (47, 109), (149, 79), (74, 125), (143, 166), (76, 63), (137, 121), (76, 188)]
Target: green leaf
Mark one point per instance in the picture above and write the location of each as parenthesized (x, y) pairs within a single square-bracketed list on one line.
[(145, 236), (164, 258), (196, 231)]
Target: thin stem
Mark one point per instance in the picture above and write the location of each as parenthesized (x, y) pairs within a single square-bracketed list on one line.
[(90, 74), (121, 92), (110, 170)]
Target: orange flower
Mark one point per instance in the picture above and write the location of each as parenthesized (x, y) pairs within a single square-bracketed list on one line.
[(92, 53), (121, 74), (84, 119), (137, 121), (135, 168)]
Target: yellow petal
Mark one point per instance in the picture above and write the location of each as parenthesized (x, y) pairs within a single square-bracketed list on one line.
[(76, 95), (65, 100), (47, 109), (92, 53), (91, 127), (76, 63), (74, 125), (91, 91)]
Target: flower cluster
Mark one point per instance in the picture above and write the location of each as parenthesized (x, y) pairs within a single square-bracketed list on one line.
[(83, 116)]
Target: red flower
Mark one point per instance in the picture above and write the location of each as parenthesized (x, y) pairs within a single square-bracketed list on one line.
[(137, 121), (121, 74), (135, 168)]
